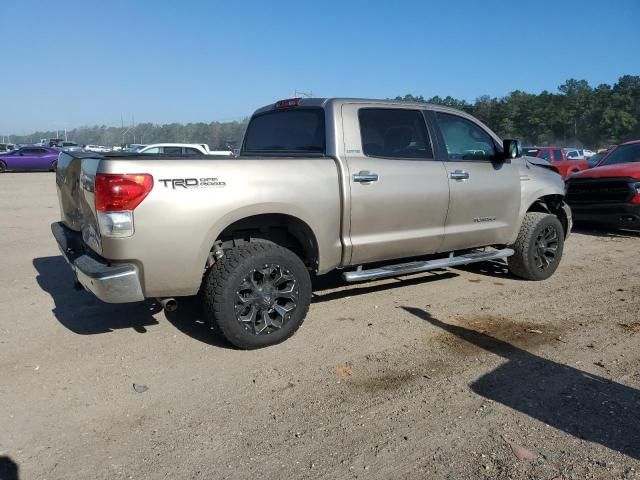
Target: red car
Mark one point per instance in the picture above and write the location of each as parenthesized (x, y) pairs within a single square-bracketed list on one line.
[(609, 194), (558, 158)]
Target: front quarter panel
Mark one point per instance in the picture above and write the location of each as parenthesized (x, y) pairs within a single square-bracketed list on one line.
[(536, 182)]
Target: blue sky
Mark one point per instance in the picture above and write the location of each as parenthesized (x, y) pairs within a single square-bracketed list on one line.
[(89, 62)]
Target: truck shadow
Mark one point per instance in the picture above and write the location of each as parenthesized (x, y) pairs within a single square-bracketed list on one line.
[(601, 231), (8, 468), (189, 319), (589, 407), (332, 286), (80, 311)]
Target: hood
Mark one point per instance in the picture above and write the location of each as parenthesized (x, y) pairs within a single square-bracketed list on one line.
[(540, 162), (617, 170)]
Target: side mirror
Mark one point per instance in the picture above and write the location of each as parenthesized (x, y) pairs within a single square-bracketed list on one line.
[(512, 149)]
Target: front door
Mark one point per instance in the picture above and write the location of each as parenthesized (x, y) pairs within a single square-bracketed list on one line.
[(399, 193), (485, 193)]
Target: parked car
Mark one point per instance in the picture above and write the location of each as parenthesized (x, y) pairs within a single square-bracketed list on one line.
[(321, 184), (68, 146), (609, 194), (574, 154), (135, 147), (558, 158), (184, 149), (175, 149), (7, 147), (49, 142), (96, 148), (30, 158), (587, 153), (597, 158)]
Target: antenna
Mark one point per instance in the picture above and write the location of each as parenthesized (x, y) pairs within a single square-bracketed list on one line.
[(301, 93)]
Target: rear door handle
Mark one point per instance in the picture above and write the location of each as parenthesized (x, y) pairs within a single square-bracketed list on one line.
[(365, 177), (459, 175)]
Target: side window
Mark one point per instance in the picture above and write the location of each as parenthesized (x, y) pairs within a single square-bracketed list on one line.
[(152, 150), (557, 155), (29, 151), (546, 155), (172, 150), (192, 151), (394, 133), (464, 139)]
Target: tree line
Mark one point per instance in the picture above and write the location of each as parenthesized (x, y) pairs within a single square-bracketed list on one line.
[(576, 115)]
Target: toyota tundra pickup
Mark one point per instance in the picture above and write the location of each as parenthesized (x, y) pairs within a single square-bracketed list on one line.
[(373, 188)]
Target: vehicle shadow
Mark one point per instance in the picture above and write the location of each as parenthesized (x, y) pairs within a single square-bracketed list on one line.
[(490, 268), (602, 231), (8, 469), (189, 318), (80, 311), (324, 286), (586, 406)]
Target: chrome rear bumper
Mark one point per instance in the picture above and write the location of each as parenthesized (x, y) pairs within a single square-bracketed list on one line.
[(117, 283)]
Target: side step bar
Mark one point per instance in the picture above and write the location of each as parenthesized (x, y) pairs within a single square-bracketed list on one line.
[(423, 266)]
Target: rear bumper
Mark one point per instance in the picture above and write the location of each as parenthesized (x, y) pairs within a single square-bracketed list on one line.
[(117, 283), (623, 215)]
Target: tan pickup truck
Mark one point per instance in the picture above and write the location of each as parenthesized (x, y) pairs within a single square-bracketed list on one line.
[(374, 188)]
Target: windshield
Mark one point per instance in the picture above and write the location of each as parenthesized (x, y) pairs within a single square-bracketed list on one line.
[(624, 154), (299, 130), (595, 159)]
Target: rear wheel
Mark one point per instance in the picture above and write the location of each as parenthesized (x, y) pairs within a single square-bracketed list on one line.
[(538, 248), (257, 295), (3, 167), (53, 166)]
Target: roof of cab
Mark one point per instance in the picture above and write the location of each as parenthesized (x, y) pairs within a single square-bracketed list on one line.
[(324, 102)]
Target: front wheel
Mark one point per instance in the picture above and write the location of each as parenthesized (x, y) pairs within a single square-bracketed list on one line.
[(257, 295), (538, 248)]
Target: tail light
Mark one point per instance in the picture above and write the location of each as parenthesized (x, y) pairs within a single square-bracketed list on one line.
[(115, 192), (116, 196), (289, 102)]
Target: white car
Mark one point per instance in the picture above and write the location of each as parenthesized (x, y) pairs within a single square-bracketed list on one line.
[(96, 148), (183, 149), (574, 154)]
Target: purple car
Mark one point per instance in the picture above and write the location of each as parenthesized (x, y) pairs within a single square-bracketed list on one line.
[(30, 158)]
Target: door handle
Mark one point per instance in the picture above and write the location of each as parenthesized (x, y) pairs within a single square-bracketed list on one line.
[(459, 175), (365, 177)]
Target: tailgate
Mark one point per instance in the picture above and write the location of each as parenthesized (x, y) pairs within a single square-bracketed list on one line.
[(75, 183)]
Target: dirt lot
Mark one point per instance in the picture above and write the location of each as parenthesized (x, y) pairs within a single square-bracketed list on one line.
[(448, 375)]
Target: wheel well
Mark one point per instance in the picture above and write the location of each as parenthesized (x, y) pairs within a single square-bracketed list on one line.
[(284, 230), (551, 204)]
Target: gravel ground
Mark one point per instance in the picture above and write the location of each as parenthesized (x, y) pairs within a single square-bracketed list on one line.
[(462, 374)]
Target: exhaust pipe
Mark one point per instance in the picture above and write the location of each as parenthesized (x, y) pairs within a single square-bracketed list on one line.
[(169, 304)]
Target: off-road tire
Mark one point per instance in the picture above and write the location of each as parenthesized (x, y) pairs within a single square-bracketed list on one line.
[(224, 279), (525, 263)]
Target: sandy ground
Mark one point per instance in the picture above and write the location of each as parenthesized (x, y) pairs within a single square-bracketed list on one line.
[(451, 375)]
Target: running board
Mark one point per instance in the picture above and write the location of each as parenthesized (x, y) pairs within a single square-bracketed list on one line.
[(423, 266)]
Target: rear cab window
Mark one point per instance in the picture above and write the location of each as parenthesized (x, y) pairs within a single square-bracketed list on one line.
[(394, 133), (286, 131)]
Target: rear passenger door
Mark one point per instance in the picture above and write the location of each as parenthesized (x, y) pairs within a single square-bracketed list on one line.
[(484, 192), (399, 193)]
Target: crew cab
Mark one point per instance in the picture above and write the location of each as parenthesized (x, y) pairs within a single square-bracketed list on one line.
[(557, 156), (374, 188), (609, 194)]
